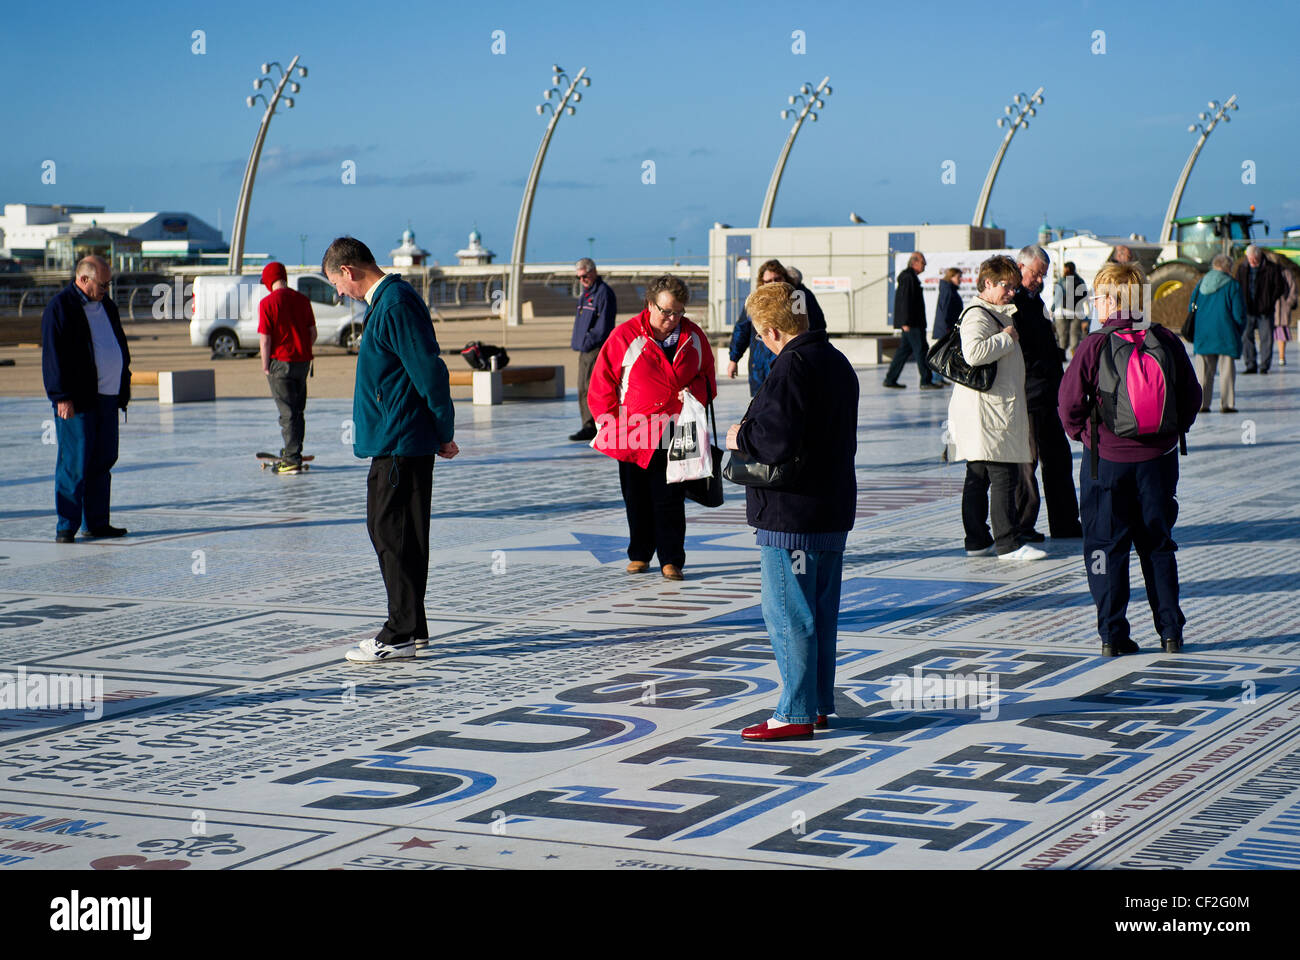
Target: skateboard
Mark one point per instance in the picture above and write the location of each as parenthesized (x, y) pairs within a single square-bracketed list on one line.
[(271, 459)]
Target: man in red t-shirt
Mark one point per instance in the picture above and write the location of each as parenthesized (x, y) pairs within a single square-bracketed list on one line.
[(286, 328)]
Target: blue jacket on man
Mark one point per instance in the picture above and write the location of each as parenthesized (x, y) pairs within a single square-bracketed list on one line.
[(68, 354), (597, 315), (402, 403)]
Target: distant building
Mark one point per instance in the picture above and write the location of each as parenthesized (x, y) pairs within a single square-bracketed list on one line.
[(474, 255), (409, 253), (27, 231)]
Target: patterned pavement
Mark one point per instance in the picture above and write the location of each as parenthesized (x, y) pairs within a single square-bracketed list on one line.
[(566, 715)]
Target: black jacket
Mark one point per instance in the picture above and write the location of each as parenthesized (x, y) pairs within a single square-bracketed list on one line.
[(68, 355), (909, 307), (1270, 286), (1044, 358), (816, 318), (948, 310), (808, 405)]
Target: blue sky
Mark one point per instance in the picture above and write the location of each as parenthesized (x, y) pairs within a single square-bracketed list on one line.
[(442, 131)]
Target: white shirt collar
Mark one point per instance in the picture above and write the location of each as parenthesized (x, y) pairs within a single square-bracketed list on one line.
[(370, 294)]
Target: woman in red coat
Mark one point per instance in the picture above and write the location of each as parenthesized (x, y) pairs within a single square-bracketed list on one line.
[(635, 395)]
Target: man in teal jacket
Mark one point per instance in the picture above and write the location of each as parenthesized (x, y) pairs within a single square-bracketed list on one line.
[(402, 416), (1220, 322)]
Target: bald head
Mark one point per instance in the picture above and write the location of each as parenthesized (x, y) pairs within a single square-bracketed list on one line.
[(93, 276)]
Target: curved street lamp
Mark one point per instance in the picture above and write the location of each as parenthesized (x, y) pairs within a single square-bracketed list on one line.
[(515, 314), (809, 98), (1017, 114), (1167, 228), (236, 262)]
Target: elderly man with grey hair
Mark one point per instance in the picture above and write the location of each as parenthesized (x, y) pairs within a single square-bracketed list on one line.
[(1220, 320), (597, 314), (87, 371), (1263, 285), (1048, 444)]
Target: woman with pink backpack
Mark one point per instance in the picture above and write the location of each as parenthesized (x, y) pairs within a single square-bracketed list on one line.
[(1129, 395)]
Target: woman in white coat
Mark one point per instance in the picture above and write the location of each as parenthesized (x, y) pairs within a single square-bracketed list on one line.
[(990, 429)]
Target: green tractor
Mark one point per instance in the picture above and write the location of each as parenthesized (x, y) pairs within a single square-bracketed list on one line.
[(1199, 241)]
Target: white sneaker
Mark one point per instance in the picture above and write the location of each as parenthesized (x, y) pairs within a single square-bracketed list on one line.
[(1024, 553), (372, 651), (986, 552)]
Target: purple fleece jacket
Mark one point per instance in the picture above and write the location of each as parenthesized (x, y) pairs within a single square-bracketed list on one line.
[(1078, 396)]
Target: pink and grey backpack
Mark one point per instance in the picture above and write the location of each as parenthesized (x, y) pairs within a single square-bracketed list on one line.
[(1136, 389)]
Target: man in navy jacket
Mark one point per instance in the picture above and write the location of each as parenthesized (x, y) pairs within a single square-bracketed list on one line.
[(86, 367), (597, 314)]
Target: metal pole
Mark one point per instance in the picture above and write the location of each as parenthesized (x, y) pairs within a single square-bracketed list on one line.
[(515, 315), (250, 173), (982, 205), (769, 199), (1167, 228)]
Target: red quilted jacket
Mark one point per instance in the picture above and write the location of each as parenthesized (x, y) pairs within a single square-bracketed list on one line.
[(634, 389)]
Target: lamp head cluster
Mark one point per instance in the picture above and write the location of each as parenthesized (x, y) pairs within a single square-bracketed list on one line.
[(558, 76), (1021, 108), (808, 98), (1222, 114), (293, 85)]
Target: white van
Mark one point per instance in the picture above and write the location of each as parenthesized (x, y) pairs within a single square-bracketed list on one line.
[(225, 312)]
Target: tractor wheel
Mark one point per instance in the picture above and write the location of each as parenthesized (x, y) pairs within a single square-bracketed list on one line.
[(1172, 285)]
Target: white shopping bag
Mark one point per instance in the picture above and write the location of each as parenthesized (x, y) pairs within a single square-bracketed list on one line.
[(690, 455)]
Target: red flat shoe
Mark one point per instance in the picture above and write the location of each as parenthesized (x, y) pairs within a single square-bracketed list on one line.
[(787, 731), (823, 722)]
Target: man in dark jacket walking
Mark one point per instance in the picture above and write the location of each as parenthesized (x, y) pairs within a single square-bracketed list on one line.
[(1262, 282), (86, 367), (597, 315), (403, 416), (909, 320), (1047, 441)]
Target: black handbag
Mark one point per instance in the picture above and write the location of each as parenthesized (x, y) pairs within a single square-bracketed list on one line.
[(748, 472), (1189, 325), (945, 358), (707, 491)]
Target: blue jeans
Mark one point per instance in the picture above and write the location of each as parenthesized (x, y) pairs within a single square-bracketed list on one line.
[(801, 607), (87, 451), (1131, 505)]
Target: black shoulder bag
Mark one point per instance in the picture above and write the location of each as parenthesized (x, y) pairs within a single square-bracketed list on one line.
[(945, 358)]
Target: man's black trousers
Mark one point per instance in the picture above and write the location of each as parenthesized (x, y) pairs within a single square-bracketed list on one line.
[(912, 348), (1051, 448), (399, 497)]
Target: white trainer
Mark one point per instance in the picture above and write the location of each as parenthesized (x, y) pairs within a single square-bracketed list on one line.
[(1026, 552), (372, 651)]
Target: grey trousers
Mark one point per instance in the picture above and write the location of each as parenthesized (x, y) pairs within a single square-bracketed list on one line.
[(1264, 324), (289, 389), (586, 361), (1227, 368)]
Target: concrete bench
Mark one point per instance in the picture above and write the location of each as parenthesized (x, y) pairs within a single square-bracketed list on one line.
[(868, 351), (491, 387), (178, 386)]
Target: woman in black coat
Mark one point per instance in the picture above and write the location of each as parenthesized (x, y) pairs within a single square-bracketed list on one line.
[(806, 408)]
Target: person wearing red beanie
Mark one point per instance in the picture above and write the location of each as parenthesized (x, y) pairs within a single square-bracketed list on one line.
[(286, 328)]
